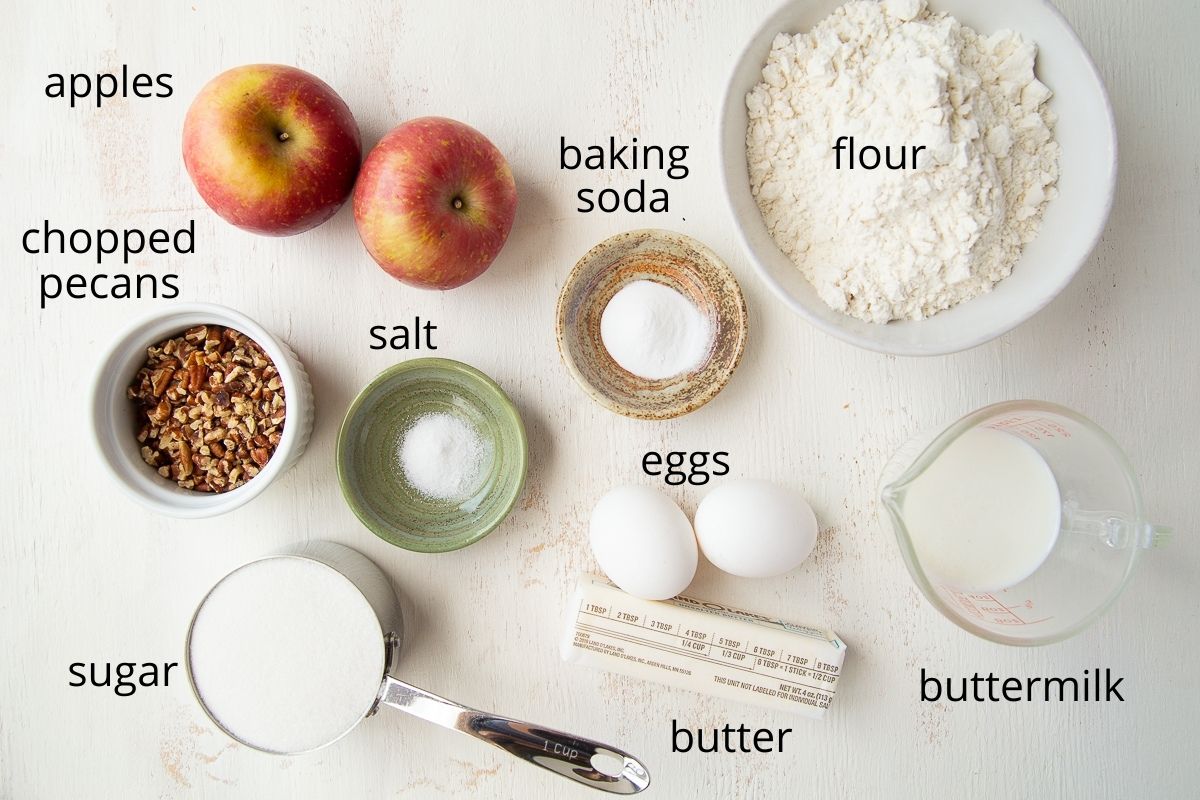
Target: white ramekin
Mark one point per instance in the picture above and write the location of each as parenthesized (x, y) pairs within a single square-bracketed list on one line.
[(114, 420)]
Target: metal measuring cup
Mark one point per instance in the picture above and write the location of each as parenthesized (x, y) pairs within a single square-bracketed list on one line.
[(584, 761)]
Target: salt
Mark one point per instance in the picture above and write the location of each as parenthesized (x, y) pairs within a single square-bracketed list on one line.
[(655, 332), (443, 456), (286, 654)]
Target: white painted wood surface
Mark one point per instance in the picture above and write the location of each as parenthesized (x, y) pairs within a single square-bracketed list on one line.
[(86, 575)]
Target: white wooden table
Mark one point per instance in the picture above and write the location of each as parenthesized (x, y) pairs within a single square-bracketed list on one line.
[(85, 575)]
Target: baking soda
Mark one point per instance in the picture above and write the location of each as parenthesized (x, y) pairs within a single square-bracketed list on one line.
[(286, 654), (444, 457), (655, 332)]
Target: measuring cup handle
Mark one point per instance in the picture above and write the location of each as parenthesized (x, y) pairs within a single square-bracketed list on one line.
[(568, 755), (1156, 535), (581, 760)]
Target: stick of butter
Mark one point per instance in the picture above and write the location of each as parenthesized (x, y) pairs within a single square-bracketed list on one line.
[(704, 647)]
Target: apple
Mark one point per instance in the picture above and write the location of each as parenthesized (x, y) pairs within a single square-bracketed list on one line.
[(271, 149), (434, 203)]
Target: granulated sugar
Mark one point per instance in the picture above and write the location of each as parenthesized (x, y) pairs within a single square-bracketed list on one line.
[(882, 244), (286, 654)]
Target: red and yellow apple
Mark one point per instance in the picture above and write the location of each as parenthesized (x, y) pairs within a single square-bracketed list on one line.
[(434, 203), (271, 149)]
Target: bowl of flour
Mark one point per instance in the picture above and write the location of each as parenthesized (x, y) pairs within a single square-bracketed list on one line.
[(917, 178)]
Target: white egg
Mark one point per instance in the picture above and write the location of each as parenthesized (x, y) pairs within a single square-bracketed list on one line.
[(755, 529), (644, 542)]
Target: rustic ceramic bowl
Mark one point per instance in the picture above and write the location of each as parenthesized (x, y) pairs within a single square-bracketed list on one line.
[(674, 260), (373, 482)]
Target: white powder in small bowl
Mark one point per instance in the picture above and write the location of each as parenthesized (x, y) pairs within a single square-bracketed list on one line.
[(444, 457), (654, 332), (286, 654)]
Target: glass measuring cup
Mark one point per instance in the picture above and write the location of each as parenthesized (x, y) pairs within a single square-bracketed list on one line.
[(1101, 534), (378, 614)]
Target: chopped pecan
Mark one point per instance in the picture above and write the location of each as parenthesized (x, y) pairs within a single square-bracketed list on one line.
[(211, 408), (160, 413), (160, 379)]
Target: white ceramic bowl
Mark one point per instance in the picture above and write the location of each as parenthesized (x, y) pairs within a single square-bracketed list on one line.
[(113, 415), (1073, 221)]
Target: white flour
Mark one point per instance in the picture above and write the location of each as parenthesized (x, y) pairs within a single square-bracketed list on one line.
[(901, 244)]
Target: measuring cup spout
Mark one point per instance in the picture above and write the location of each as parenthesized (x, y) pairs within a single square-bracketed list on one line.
[(892, 498)]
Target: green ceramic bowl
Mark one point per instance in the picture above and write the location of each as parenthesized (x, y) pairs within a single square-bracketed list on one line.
[(373, 482)]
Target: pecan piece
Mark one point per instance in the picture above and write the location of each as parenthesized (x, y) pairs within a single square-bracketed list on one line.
[(211, 407), (160, 379)]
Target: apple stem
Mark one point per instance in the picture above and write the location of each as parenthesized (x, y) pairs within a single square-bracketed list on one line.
[(458, 203), (283, 136)]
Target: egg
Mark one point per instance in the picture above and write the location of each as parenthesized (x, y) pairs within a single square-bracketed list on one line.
[(643, 542), (755, 529)]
